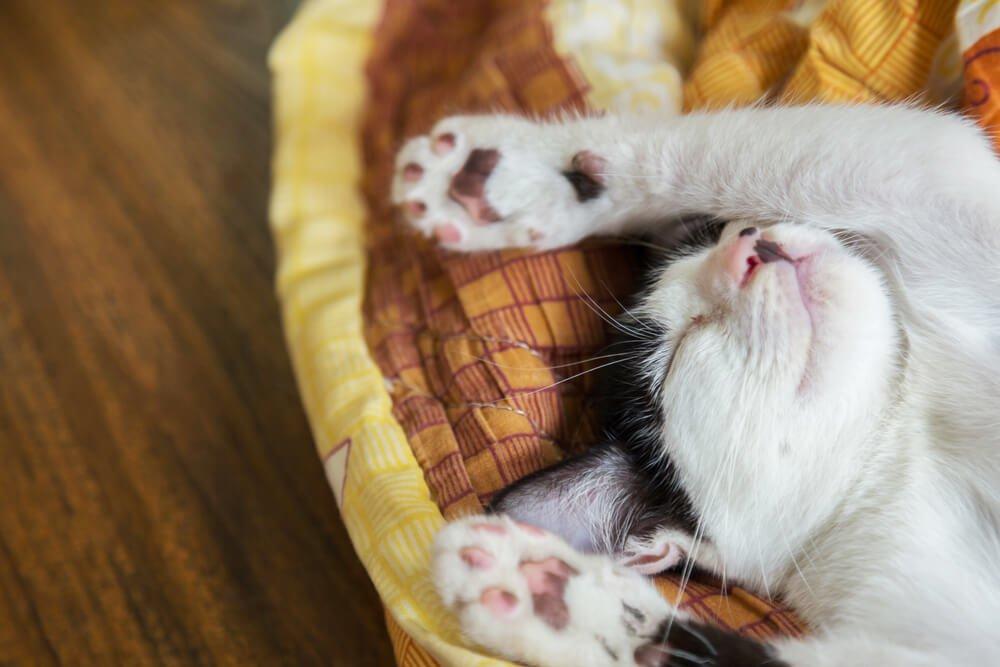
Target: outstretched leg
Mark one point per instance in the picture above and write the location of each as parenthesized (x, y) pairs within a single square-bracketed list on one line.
[(917, 186), (486, 182)]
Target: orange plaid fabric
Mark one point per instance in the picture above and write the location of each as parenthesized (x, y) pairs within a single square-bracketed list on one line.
[(982, 83), (466, 341)]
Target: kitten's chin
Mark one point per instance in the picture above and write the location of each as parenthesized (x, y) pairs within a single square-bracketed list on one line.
[(821, 316)]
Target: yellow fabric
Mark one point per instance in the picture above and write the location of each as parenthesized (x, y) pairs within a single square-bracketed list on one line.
[(632, 52), (317, 219), (831, 51)]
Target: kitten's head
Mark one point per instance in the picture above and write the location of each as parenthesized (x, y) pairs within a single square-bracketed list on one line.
[(763, 364), (770, 352)]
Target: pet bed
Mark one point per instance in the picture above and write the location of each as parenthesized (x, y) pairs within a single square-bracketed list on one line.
[(432, 380)]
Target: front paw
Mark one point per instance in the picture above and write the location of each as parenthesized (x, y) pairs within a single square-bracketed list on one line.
[(495, 182)]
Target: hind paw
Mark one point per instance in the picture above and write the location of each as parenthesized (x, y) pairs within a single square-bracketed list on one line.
[(525, 594)]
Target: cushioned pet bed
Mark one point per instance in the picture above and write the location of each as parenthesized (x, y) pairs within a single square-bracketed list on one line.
[(432, 380)]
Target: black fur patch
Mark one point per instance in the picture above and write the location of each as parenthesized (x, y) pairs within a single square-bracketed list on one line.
[(686, 643), (631, 404), (587, 187)]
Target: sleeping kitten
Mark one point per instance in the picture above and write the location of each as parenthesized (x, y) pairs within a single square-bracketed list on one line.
[(816, 409)]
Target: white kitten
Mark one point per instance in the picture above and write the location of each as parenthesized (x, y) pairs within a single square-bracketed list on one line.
[(816, 412)]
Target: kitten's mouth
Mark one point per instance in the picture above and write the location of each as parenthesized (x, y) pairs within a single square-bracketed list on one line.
[(769, 252)]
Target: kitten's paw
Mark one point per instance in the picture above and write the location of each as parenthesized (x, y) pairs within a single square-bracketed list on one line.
[(662, 551), (525, 594), (665, 549), (494, 182)]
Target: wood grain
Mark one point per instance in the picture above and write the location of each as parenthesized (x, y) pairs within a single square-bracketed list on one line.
[(160, 498)]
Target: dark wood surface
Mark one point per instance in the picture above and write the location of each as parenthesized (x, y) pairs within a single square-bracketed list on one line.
[(160, 498)]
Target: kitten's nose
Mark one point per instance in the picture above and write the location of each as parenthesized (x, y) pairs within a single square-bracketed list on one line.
[(769, 251), (747, 251)]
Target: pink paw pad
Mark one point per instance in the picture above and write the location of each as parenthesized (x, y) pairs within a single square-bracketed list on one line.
[(590, 164), (499, 601), (448, 233), (547, 581), (652, 562), (412, 172), (477, 558), (586, 175), (443, 143), (547, 576), (468, 185)]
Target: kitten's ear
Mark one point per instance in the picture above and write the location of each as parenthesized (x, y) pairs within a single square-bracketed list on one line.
[(594, 501)]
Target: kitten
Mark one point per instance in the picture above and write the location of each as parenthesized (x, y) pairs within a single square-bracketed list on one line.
[(816, 408)]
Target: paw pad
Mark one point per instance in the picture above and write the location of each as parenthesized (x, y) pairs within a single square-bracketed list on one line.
[(443, 143), (499, 601), (468, 186), (412, 172), (477, 558), (586, 175)]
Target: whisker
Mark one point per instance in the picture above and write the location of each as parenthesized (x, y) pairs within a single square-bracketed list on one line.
[(703, 638), (629, 312), (591, 303), (497, 364), (633, 240), (571, 377), (802, 576), (688, 569), (684, 655)]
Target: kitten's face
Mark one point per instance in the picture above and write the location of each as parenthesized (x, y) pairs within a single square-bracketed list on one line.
[(780, 354)]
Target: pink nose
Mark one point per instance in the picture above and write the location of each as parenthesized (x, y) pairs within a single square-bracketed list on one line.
[(748, 251)]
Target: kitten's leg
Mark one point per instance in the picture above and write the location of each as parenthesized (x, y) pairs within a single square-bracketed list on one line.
[(499, 181), (603, 501), (665, 548), (525, 594)]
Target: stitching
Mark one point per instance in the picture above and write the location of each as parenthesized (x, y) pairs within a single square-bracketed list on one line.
[(393, 383)]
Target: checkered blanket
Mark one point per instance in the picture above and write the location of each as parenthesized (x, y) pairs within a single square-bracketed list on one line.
[(434, 380)]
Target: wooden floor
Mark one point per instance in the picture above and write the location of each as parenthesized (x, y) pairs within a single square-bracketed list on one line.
[(160, 498)]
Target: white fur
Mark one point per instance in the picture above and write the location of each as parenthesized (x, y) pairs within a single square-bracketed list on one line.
[(845, 456)]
